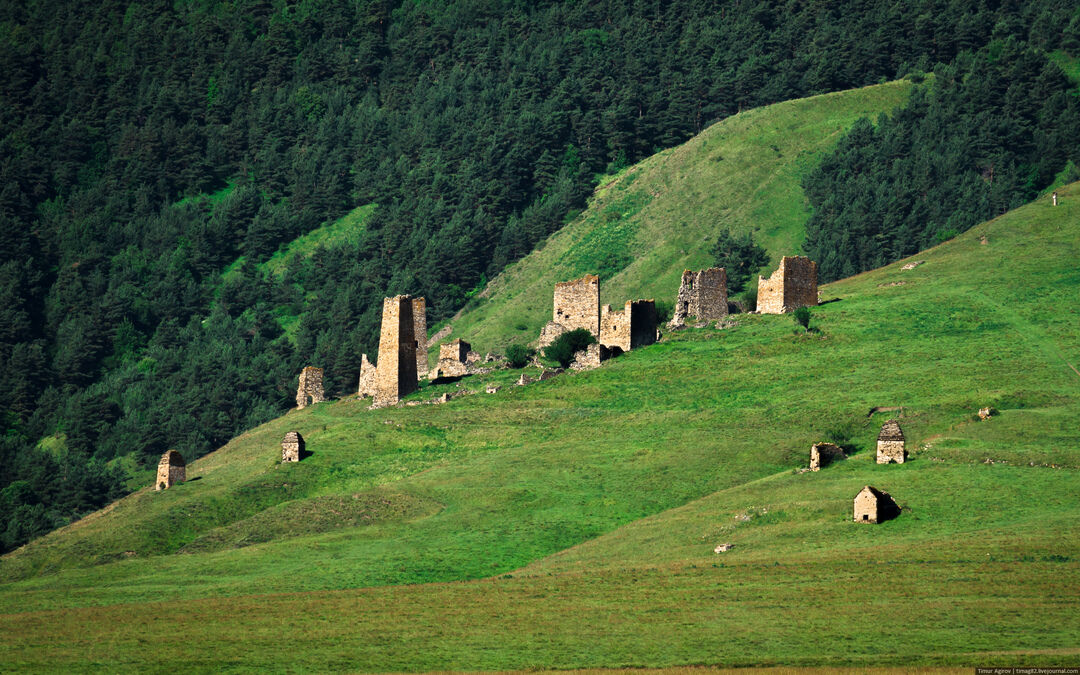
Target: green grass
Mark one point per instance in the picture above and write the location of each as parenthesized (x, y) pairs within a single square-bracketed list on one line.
[(647, 224), (571, 523), (348, 228)]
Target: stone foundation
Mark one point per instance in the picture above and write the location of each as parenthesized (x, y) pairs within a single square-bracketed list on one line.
[(590, 357)]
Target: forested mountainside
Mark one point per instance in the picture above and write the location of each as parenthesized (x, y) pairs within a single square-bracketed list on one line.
[(154, 154)]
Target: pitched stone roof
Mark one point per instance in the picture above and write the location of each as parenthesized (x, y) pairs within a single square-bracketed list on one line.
[(891, 431)]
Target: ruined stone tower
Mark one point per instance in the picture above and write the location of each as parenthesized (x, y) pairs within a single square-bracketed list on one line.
[(702, 294), (367, 377), (170, 470), (823, 454), (576, 305), (791, 286), (292, 446), (419, 313), (311, 387), (396, 373), (633, 326)]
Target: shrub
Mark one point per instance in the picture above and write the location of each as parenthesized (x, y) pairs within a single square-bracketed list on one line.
[(664, 311), (802, 317), (564, 347), (519, 355)]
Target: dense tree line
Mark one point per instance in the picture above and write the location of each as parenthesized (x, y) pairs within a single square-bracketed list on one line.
[(475, 126), (993, 129)]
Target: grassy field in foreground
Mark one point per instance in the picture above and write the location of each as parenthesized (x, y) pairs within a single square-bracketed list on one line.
[(571, 523), (645, 226)]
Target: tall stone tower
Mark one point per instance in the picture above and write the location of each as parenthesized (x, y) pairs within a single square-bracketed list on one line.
[(396, 372), (792, 285)]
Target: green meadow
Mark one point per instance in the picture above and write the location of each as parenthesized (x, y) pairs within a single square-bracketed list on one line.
[(571, 523)]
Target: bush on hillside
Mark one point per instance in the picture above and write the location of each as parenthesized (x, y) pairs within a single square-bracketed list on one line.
[(519, 355), (564, 347)]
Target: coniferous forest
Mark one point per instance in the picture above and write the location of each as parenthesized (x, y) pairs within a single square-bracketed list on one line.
[(153, 154)]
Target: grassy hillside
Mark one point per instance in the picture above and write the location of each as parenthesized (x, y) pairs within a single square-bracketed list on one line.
[(571, 523), (592, 503), (646, 225)]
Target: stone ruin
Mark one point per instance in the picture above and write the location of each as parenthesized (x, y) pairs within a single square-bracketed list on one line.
[(576, 305), (292, 447), (986, 413), (874, 506), (492, 388), (311, 387), (367, 377), (395, 376), (824, 454), (590, 357), (1053, 198), (633, 326), (171, 469), (455, 359), (792, 285), (419, 313), (702, 294), (890, 444)]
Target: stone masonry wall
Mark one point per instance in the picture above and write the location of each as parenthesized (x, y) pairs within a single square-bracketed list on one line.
[(292, 446), (792, 285), (311, 385), (889, 452), (577, 304), (634, 326), (419, 312), (865, 506), (702, 294), (396, 373), (171, 470), (823, 454), (454, 359), (368, 377)]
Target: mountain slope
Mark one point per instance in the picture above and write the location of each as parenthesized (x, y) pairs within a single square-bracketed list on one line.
[(593, 503), (661, 216)]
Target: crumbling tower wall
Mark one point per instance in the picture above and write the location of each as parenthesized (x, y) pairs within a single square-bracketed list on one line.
[(702, 294), (311, 386), (633, 326), (367, 377), (792, 285), (454, 359), (395, 376), (172, 469), (419, 312)]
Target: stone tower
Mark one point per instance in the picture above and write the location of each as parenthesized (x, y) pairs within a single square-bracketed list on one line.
[(702, 294), (396, 373), (170, 470), (419, 313), (634, 326), (792, 285), (292, 446), (576, 305), (311, 386)]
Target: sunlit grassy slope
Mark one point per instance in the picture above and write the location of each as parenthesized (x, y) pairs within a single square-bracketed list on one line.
[(644, 226), (571, 523)]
